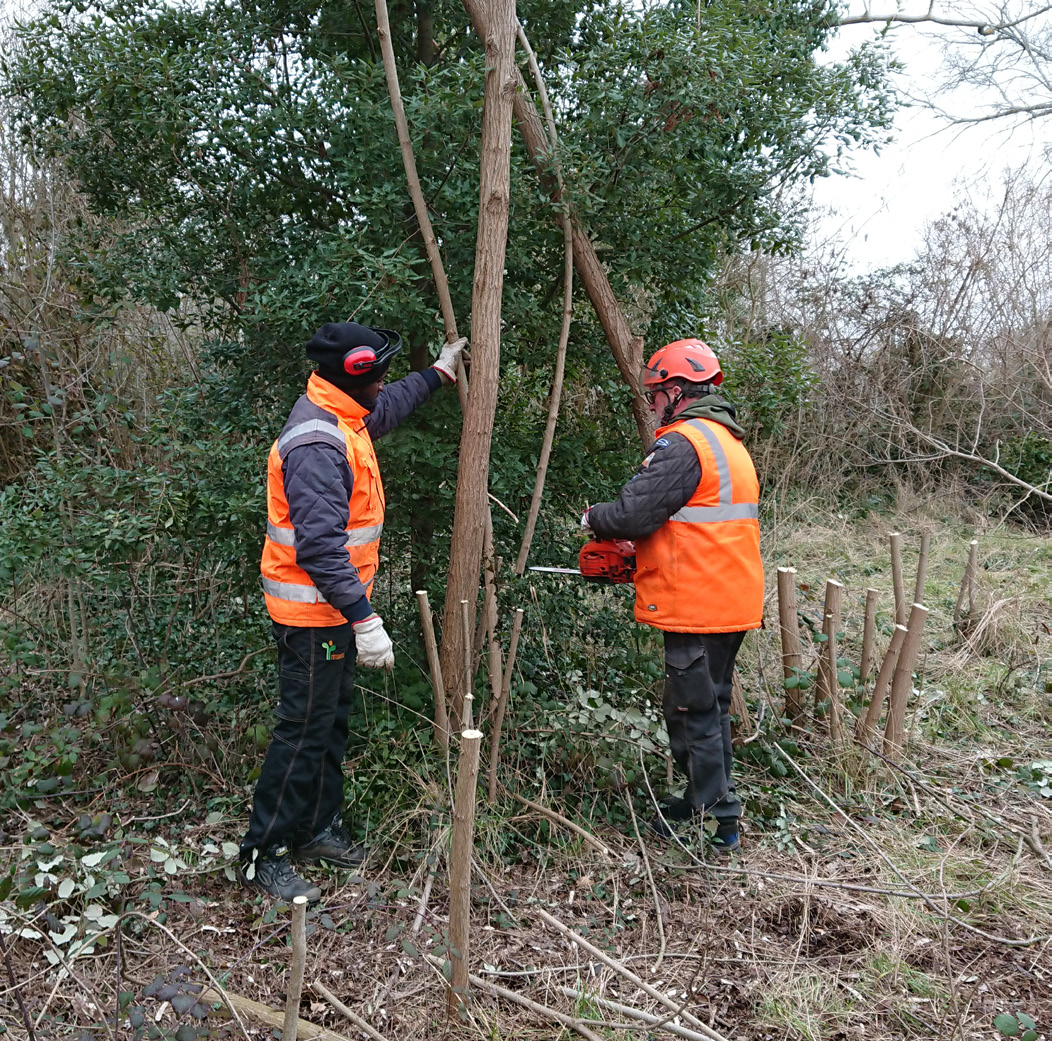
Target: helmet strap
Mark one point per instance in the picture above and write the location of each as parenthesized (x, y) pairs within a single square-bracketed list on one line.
[(670, 408)]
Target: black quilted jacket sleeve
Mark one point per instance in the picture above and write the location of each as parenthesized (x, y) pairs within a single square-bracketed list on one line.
[(398, 400), (664, 483)]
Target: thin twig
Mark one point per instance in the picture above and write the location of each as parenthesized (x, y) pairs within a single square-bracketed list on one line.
[(353, 1016), (555, 396), (501, 707), (650, 873), (418, 921), (559, 819), (441, 723), (224, 675)]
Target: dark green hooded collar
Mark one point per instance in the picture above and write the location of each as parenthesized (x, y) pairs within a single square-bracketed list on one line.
[(715, 408)]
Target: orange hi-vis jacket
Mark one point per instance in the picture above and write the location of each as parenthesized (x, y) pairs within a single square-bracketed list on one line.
[(701, 572), (323, 414)]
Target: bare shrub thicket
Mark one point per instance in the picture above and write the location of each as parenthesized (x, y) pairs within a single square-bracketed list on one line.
[(936, 371)]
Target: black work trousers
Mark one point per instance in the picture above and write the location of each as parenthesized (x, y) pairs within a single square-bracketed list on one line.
[(300, 788), (697, 702)]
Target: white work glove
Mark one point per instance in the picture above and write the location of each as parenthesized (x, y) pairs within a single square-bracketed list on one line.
[(375, 650), (447, 360), (586, 528)]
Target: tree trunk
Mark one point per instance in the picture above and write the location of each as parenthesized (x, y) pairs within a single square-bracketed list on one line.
[(626, 347), (469, 518)]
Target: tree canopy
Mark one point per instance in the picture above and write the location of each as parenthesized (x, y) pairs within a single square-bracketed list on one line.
[(246, 157)]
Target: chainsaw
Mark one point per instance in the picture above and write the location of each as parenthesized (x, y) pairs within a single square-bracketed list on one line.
[(601, 560)]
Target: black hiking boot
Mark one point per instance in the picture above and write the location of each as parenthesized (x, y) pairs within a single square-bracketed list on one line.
[(272, 873), (674, 810), (725, 839), (335, 847)]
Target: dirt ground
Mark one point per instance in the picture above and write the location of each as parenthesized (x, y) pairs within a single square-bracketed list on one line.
[(831, 942)]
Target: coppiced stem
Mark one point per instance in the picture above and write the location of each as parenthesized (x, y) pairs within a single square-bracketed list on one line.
[(299, 961), (867, 723), (460, 867), (922, 569), (831, 625), (869, 631), (792, 657), (902, 684), (501, 707), (967, 590), (740, 710)]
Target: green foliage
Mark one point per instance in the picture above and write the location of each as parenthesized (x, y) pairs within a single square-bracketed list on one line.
[(698, 116), (1018, 1025), (243, 176), (773, 379), (1029, 456), (1037, 776), (247, 156)]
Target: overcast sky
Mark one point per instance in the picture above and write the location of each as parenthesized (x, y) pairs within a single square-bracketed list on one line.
[(880, 213)]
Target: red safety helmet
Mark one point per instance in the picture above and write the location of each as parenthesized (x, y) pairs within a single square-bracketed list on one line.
[(690, 360)]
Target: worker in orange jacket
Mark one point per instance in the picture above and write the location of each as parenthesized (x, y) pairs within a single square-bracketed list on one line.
[(325, 514), (692, 511)]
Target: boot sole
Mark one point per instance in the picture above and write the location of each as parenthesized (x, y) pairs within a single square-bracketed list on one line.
[(251, 883), (336, 862)]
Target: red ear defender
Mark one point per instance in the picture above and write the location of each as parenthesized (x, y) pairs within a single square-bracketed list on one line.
[(359, 360)]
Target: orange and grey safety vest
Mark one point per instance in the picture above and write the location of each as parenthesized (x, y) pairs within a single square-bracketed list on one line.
[(323, 414), (701, 572)]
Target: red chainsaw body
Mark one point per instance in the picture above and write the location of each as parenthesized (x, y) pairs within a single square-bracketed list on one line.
[(608, 560)]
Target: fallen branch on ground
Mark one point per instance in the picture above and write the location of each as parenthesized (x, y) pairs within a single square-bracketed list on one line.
[(353, 1016), (525, 1002), (271, 1017), (559, 819), (677, 1008), (647, 1019)]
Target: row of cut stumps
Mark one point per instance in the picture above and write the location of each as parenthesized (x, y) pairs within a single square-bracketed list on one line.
[(893, 673)]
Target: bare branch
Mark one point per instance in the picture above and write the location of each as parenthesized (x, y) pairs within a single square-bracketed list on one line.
[(985, 26)]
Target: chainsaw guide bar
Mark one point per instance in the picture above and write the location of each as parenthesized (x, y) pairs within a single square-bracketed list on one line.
[(601, 560)]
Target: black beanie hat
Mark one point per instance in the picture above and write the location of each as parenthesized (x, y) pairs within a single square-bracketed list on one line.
[(330, 344)]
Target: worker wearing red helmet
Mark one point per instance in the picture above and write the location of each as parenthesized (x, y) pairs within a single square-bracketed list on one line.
[(325, 513), (692, 511)]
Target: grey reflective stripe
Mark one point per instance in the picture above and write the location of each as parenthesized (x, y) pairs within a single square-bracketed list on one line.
[(710, 514), (312, 426), (291, 591), (363, 536), (723, 468), (728, 509), (282, 536), (355, 536)]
